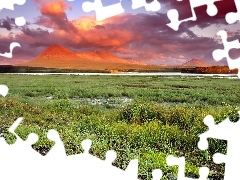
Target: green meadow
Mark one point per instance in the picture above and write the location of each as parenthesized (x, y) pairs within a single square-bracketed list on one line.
[(144, 117)]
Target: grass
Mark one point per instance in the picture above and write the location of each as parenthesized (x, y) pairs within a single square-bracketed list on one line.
[(165, 117)]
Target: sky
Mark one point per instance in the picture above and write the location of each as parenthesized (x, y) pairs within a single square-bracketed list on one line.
[(135, 34)]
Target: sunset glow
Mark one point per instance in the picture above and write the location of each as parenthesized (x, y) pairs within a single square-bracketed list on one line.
[(136, 34)]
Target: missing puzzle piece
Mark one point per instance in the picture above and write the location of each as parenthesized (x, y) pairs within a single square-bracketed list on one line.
[(180, 162), (19, 21), (102, 12), (56, 164), (234, 16), (3, 90), (228, 131), (219, 54), (12, 46), (153, 6), (173, 14), (9, 4)]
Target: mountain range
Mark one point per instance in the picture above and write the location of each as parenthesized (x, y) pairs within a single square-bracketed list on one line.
[(57, 56), (196, 63)]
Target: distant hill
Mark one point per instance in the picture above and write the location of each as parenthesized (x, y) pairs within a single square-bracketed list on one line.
[(196, 63), (57, 56), (54, 57), (106, 57)]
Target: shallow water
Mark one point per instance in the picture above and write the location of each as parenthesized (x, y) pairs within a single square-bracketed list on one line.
[(231, 76), (116, 101)]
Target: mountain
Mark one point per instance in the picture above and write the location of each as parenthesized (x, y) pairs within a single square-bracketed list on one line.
[(106, 57), (57, 56), (54, 56), (196, 63)]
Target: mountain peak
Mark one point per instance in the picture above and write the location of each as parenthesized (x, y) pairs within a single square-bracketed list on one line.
[(196, 63), (57, 56), (54, 56), (56, 50)]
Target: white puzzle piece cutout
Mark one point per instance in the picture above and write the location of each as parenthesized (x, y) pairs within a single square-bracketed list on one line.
[(9, 4), (3, 90), (232, 17), (219, 54), (10, 54), (218, 131), (103, 12), (180, 162), (173, 14), (153, 6), (19, 21), (157, 174), (56, 164)]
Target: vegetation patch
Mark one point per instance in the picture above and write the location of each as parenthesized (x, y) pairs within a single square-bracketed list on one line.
[(158, 121)]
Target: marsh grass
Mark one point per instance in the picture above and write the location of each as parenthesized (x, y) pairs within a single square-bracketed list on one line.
[(165, 117)]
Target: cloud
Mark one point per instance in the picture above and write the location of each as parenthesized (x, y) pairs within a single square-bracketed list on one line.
[(142, 36), (180, 56), (55, 12), (7, 23)]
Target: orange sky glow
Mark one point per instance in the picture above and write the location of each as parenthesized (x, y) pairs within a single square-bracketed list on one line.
[(139, 35)]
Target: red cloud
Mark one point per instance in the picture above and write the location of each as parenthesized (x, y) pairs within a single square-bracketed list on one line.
[(55, 11), (142, 36), (54, 8)]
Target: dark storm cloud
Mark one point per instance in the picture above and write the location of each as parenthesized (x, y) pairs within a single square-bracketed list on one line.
[(7, 23)]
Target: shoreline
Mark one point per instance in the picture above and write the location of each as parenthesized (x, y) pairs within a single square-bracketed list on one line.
[(130, 74)]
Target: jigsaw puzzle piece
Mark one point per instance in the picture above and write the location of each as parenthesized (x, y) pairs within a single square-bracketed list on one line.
[(3, 148), (20, 21), (108, 3), (9, 4), (103, 169), (16, 155), (211, 7), (219, 54), (180, 162), (232, 17), (153, 6), (12, 46), (58, 150), (173, 14), (3, 90), (157, 174), (56, 158), (103, 12), (231, 159), (24, 147), (183, 8)]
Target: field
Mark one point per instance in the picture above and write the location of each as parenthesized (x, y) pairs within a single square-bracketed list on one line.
[(146, 117)]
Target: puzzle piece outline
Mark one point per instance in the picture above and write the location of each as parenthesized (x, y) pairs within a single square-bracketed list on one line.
[(219, 54), (10, 54), (173, 14), (19, 21), (57, 159), (3, 90), (233, 17), (231, 159), (10, 4), (180, 162), (103, 12), (154, 6)]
